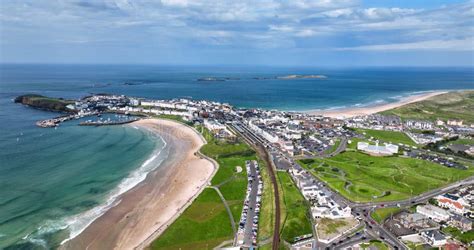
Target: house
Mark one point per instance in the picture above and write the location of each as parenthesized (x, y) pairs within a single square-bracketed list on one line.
[(455, 122), (435, 213), (433, 237), (454, 203), (461, 222), (414, 220)]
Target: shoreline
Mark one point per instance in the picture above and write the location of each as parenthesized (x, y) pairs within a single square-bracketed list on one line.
[(146, 210), (361, 111)]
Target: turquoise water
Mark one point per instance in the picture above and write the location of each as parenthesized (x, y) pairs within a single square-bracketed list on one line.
[(54, 182)]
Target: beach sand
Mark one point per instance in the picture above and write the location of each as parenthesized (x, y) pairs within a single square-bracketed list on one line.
[(351, 112), (146, 210)]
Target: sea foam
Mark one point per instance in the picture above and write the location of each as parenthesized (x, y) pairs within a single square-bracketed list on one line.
[(76, 224)]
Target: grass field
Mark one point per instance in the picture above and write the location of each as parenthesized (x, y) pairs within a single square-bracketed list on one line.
[(388, 136), (465, 237), (374, 244), (454, 105), (297, 221), (174, 118), (205, 224), (381, 214), (267, 209), (360, 177)]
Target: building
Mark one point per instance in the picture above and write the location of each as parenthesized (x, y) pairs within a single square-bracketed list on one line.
[(461, 222), (454, 203), (435, 213), (434, 238), (413, 220), (455, 122), (387, 149), (213, 125)]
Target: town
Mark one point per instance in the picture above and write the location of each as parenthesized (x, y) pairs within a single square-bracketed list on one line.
[(307, 147)]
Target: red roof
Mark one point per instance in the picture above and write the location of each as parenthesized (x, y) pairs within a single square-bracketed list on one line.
[(455, 203)]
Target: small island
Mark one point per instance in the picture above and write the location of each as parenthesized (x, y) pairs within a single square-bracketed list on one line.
[(289, 77), (46, 103)]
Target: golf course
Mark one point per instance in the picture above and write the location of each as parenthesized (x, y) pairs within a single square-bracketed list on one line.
[(363, 178)]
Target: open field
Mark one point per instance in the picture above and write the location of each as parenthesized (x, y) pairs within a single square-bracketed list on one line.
[(206, 224), (465, 237), (380, 214), (174, 118), (330, 228), (297, 221), (267, 211), (453, 105), (374, 244), (364, 178), (388, 136)]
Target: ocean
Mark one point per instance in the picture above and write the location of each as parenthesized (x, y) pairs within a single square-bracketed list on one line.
[(54, 182)]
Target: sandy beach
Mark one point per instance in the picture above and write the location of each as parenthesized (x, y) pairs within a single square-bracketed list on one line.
[(146, 210), (351, 112)]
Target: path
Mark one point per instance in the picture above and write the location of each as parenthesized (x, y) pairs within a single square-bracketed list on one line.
[(226, 205)]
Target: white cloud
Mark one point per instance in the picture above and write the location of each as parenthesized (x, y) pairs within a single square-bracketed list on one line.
[(452, 45)]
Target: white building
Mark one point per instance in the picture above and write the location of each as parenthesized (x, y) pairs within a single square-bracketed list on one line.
[(433, 212), (213, 125), (434, 238), (387, 149), (454, 203)]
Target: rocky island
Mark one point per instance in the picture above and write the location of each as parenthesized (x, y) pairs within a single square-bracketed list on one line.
[(45, 103)]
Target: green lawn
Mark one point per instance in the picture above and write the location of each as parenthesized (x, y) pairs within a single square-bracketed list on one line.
[(388, 136), (374, 244), (297, 220), (360, 177), (454, 105), (267, 208), (205, 224), (381, 214), (174, 118), (466, 237), (463, 142)]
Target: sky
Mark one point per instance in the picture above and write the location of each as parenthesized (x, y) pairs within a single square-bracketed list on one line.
[(244, 32)]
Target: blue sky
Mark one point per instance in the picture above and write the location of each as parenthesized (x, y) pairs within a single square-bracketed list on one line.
[(264, 32)]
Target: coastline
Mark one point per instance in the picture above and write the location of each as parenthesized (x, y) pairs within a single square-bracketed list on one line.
[(360, 111), (146, 210)]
